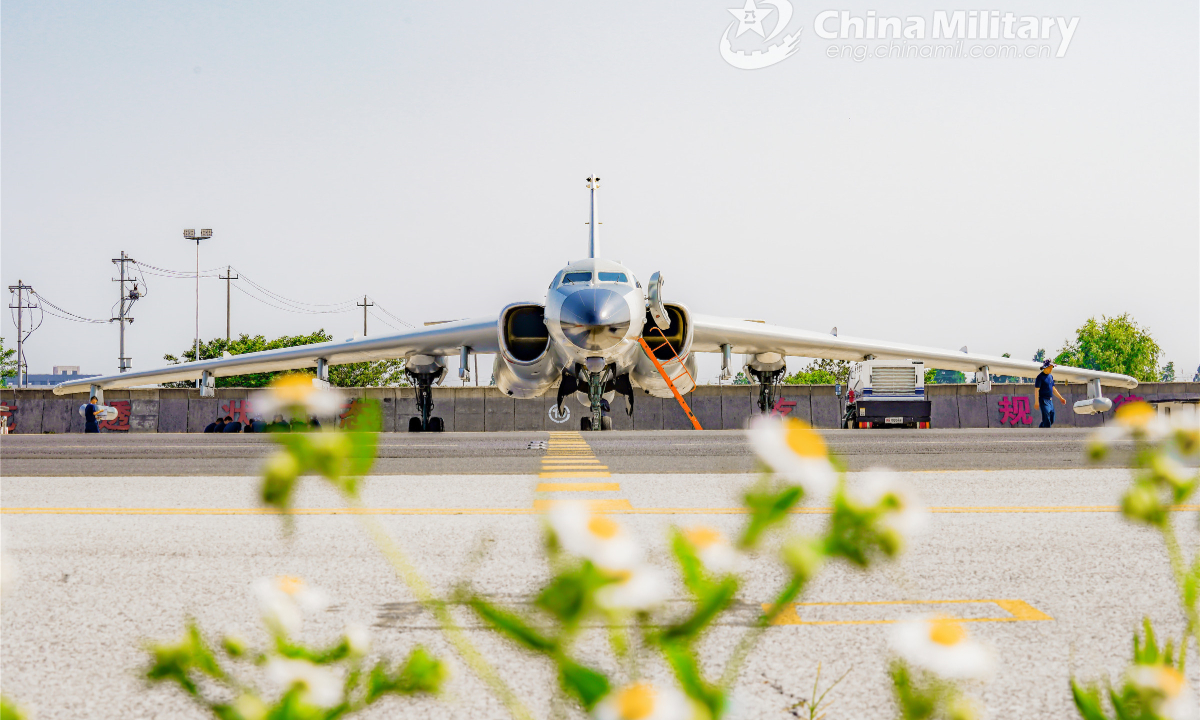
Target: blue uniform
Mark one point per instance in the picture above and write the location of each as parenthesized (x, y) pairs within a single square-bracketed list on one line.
[(89, 419), (1045, 387)]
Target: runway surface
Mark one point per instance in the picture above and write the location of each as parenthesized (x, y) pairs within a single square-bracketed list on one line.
[(1023, 538), (720, 451)]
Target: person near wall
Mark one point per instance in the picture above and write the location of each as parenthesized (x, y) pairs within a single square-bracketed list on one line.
[(216, 426), (1046, 394), (89, 416), (231, 425)]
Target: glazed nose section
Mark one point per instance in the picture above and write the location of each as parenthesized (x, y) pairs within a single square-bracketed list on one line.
[(594, 318)]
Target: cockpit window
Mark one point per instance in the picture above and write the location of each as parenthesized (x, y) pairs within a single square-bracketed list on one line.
[(577, 277), (613, 277)]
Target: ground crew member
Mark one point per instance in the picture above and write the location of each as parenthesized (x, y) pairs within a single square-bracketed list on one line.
[(1046, 393), (89, 416)]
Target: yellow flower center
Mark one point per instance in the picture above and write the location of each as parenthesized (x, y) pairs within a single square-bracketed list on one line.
[(293, 389), (289, 584), (803, 440), (945, 631), (1171, 681), (602, 527), (636, 701), (1135, 414), (702, 536)]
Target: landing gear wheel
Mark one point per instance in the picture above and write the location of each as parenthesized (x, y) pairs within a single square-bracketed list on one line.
[(585, 424), (414, 424), (436, 425), (606, 423)]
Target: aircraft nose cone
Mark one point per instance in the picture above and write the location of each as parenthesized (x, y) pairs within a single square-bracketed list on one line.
[(594, 318)]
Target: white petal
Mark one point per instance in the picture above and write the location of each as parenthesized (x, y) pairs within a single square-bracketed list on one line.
[(645, 588)]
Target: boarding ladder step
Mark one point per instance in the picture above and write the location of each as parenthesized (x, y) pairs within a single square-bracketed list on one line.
[(662, 370)]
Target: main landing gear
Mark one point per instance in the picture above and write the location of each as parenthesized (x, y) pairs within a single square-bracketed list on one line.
[(768, 383), (423, 382)]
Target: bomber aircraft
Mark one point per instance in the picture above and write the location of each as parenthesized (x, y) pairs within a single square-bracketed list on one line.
[(585, 340)]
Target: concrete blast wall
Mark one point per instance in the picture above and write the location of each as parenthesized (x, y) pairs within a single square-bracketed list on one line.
[(471, 409)]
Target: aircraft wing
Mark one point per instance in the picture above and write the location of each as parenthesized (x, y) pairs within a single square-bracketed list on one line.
[(749, 336), (443, 339)]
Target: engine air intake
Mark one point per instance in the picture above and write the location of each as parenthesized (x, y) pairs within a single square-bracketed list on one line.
[(675, 335), (525, 335)]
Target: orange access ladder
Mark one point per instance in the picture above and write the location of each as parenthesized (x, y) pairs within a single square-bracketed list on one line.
[(663, 371)]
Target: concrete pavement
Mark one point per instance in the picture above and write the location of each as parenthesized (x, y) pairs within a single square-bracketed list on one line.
[(106, 562)]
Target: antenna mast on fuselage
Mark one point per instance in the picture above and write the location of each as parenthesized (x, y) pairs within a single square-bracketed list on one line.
[(593, 184)]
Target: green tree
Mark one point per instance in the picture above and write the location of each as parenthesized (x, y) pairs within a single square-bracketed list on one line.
[(1040, 355), (741, 379), (821, 371), (8, 363), (1168, 372), (376, 373), (931, 376), (1116, 345)]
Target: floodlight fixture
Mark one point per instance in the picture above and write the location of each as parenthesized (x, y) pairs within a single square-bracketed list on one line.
[(206, 234), (189, 234)]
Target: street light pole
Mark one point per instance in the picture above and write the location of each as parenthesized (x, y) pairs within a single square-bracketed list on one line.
[(191, 235)]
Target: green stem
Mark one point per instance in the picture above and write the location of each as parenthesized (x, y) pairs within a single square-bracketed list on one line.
[(753, 635), (1180, 570), (416, 584)]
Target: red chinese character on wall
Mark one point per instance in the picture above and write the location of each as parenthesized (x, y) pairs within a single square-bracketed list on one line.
[(783, 407), (239, 410), (1016, 410), (1120, 400), (121, 424)]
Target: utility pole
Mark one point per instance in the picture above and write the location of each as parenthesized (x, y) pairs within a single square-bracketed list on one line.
[(364, 305), (131, 298), (22, 367), (227, 277)]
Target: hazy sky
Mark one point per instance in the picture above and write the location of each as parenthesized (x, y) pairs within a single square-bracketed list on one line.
[(433, 155)]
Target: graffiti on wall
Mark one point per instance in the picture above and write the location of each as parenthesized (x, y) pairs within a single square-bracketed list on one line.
[(121, 423), (1014, 410)]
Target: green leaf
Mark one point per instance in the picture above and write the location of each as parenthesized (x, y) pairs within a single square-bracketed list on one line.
[(420, 673), (708, 606), (1087, 701), (513, 626), (570, 595), (585, 684), (694, 577), (687, 671), (9, 710), (767, 508)]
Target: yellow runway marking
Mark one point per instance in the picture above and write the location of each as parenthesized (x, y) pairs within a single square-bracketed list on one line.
[(568, 455), (600, 506), (579, 487), (1018, 611), (576, 474), (626, 508)]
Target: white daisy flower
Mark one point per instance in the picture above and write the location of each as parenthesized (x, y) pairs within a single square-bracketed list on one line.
[(284, 600), (358, 638), (641, 588), (878, 486), (643, 701), (1172, 698), (718, 556), (793, 449), (318, 685), (941, 646), (297, 390), (594, 536)]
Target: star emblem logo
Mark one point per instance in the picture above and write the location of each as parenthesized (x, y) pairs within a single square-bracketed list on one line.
[(750, 17)]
